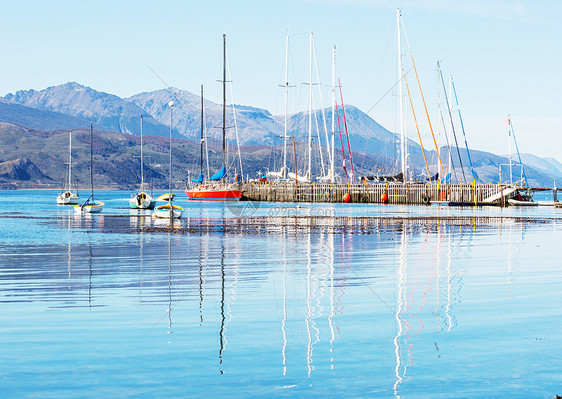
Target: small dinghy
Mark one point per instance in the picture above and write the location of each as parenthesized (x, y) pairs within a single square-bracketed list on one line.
[(522, 200), (164, 212)]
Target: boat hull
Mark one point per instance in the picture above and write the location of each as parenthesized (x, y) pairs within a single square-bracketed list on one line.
[(214, 195), (142, 201), (68, 198), (144, 205), (89, 208), (163, 212), (515, 202)]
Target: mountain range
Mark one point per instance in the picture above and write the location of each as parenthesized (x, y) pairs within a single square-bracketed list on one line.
[(72, 106)]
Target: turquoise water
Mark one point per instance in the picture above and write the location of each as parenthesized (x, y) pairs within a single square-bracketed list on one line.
[(278, 300)]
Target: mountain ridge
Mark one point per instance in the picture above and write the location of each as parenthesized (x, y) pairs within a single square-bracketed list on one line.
[(255, 126)]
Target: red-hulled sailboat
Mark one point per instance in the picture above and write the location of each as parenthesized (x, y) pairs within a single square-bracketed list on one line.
[(217, 189)]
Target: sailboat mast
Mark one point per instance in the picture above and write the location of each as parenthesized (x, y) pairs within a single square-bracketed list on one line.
[(69, 159), (224, 101), (509, 150), (333, 171), (310, 113), (284, 175), (438, 116), (202, 127), (400, 97), (141, 159), (171, 104), (91, 160)]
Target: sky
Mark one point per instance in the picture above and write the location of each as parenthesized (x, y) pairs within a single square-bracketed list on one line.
[(505, 56)]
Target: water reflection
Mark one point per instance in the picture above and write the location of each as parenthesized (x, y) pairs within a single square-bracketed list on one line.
[(224, 276), (222, 332)]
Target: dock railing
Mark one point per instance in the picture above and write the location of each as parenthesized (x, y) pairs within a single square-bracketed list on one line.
[(396, 193)]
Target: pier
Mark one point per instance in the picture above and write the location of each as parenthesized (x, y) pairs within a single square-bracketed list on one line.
[(391, 193)]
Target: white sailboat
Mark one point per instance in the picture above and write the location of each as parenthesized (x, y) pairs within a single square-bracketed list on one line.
[(142, 200), (69, 197), (90, 205), (169, 211)]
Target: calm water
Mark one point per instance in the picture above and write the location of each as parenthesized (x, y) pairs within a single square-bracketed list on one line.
[(276, 300)]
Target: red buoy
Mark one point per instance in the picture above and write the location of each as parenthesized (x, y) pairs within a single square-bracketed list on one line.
[(384, 198), (346, 197)]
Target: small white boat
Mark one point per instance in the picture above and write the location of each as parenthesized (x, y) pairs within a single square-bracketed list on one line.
[(68, 198), (522, 200), (142, 200), (89, 207), (164, 212), (516, 202)]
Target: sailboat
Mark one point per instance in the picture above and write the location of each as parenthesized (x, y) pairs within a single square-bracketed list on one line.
[(69, 197), (90, 205), (518, 199), (216, 189), (169, 210), (142, 200)]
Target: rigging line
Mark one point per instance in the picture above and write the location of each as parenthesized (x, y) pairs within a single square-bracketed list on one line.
[(390, 89), (379, 101), (346, 133), (206, 143), (418, 129), (448, 144), (421, 92), (175, 91), (474, 175), (322, 102), (319, 138), (452, 124), (426, 112), (364, 154), (341, 139), (517, 148), (381, 67), (442, 119)]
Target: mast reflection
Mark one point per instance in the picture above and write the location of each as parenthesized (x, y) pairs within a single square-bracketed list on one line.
[(222, 338)]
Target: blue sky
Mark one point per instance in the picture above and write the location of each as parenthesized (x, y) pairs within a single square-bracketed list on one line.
[(504, 55)]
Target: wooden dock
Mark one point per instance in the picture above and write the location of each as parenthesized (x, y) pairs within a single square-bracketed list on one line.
[(391, 193)]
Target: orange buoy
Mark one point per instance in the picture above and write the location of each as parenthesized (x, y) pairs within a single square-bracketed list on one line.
[(346, 197), (384, 198)]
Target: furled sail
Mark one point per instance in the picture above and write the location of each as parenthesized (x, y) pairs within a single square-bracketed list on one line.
[(199, 179), (220, 174)]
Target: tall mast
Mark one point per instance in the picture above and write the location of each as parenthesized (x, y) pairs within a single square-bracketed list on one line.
[(450, 107), (141, 160), (202, 127), (171, 104), (284, 175), (400, 99), (224, 100), (91, 160), (333, 171), (310, 113), (509, 150), (69, 159), (438, 116)]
